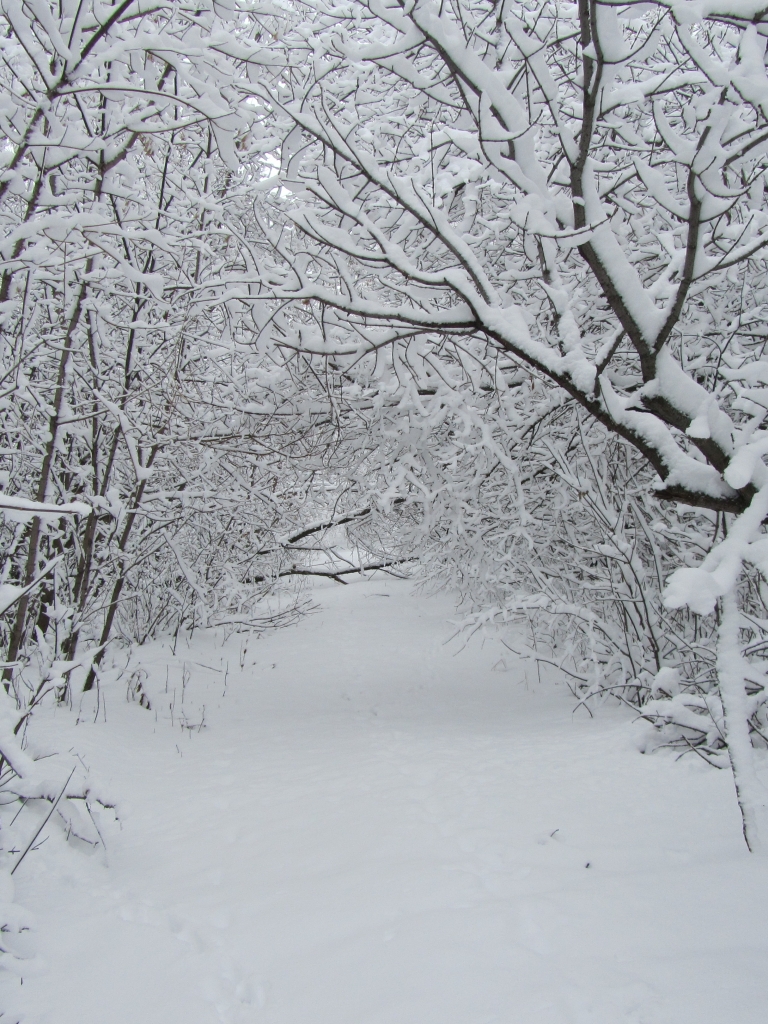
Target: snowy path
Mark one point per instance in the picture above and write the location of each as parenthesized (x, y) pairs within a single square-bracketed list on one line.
[(371, 830)]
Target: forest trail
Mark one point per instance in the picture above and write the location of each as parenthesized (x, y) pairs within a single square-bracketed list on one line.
[(378, 827)]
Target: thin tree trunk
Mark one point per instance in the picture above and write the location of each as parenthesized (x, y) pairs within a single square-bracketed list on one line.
[(750, 793), (117, 589), (17, 633)]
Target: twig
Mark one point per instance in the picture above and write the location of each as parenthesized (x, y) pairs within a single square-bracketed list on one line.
[(47, 819), (697, 751)]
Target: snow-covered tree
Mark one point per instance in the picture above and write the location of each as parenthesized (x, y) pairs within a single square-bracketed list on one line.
[(562, 203), (133, 157)]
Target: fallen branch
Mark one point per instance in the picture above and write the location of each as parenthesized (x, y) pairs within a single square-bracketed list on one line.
[(334, 574)]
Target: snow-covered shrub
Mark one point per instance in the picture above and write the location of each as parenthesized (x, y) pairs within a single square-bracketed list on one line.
[(38, 792)]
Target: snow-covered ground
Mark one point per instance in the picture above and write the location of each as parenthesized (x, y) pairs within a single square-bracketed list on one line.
[(372, 828)]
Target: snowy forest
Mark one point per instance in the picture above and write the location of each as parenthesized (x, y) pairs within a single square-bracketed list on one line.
[(305, 303)]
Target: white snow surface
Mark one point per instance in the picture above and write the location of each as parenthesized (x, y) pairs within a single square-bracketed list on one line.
[(375, 826)]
